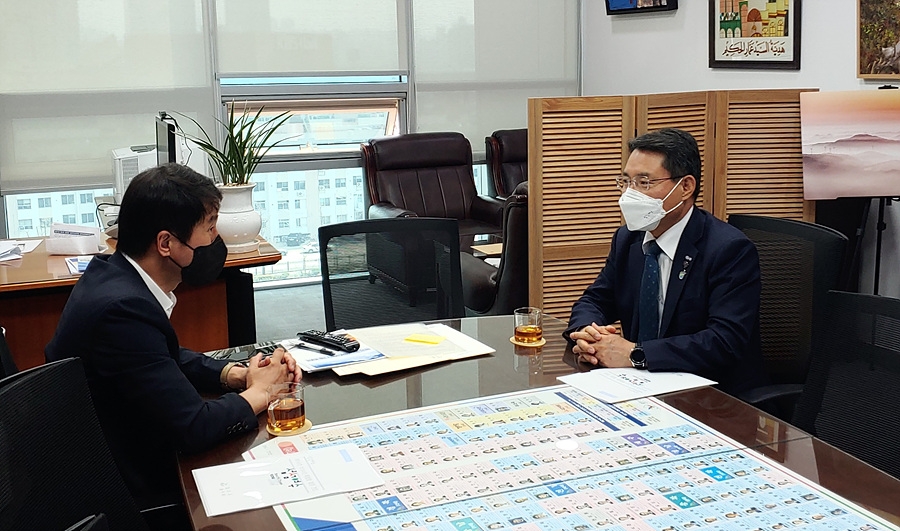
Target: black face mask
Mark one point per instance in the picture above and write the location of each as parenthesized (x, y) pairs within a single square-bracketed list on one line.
[(207, 263)]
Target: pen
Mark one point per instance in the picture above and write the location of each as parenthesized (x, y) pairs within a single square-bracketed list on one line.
[(315, 348)]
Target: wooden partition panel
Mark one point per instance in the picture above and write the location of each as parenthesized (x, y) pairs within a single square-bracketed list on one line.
[(759, 162), (752, 164), (576, 148), (695, 113)]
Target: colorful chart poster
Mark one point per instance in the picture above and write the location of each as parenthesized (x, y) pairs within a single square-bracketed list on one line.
[(558, 459)]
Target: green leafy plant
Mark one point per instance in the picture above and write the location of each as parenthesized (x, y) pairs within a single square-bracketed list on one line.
[(245, 144)]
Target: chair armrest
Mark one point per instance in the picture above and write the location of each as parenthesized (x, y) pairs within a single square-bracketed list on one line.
[(487, 209), (778, 400), (387, 210), (760, 395), (479, 282)]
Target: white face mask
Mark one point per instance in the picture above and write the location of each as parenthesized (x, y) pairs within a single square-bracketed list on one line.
[(643, 212)]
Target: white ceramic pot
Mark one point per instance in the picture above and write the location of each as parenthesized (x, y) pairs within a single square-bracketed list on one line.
[(239, 223)]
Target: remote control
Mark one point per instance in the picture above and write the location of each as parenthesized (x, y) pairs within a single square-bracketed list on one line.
[(336, 341)]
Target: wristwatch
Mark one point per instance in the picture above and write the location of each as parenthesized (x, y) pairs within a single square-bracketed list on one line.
[(638, 358)]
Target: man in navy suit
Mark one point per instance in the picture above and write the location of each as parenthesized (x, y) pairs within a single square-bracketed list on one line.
[(697, 277), (145, 387)]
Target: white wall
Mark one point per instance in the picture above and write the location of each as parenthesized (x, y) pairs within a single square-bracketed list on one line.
[(667, 52)]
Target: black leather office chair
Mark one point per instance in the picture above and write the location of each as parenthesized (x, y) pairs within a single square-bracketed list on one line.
[(424, 175), (506, 152), (426, 250), (852, 396), (799, 262), (489, 290), (55, 466), (7, 364)]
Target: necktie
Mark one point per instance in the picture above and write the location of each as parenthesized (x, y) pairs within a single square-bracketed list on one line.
[(648, 326)]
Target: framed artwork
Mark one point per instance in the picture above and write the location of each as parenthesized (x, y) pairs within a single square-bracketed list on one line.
[(754, 34), (878, 49), (616, 7)]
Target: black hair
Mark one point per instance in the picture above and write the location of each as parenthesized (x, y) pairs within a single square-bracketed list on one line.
[(681, 155), (171, 197)]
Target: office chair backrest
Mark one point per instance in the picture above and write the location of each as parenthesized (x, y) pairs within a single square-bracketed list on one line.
[(852, 396), (799, 262), (512, 271), (425, 249), (426, 173), (55, 466), (506, 152), (7, 364)]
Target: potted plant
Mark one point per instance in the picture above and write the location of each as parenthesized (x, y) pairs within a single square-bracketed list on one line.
[(246, 141)]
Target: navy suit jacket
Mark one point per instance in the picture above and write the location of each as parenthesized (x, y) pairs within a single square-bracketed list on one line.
[(146, 388), (710, 321)]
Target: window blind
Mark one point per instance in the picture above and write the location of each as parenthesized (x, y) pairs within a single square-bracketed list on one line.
[(79, 78)]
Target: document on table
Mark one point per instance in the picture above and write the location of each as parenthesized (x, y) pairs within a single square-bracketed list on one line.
[(10, 250), (73, 239), (619, 385), (311, 358), (489, 249), (412, 345), (281, 479)]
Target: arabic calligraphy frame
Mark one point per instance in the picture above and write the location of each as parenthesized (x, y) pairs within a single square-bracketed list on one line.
[(790, 61)]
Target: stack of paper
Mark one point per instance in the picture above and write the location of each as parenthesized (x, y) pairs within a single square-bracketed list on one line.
[(10, 250), (312, 358), (618, 385), (286, 478), (73, 239), (412, 345)]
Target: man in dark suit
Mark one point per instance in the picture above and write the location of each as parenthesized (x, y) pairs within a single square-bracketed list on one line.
[(145, 387), (684, 284)]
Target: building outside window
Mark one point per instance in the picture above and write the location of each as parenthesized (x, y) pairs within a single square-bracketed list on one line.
[(68, 199), (23, 204), (284, 205), (340, 201), (68, 218), (341, 218), (324, 201), (340, 183), (86, 198), (284, 223), (88, 219), (44, 202), (25, 224), (282, 186)]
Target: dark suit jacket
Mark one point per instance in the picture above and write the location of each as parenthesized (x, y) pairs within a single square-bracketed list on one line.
[(144, 386), (710, 322)]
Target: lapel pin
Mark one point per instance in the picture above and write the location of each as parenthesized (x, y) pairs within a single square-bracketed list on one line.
[(684, 267)]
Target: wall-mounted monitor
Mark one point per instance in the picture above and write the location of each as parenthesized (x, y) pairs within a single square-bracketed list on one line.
[(165, 140), (617, 7)]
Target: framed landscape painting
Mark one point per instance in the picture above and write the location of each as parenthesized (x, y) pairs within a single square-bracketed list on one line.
[(754, 34), (616, 7), (878, 48)]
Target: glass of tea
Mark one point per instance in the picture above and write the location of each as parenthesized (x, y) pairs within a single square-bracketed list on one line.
[(528, 325), (287, 409)]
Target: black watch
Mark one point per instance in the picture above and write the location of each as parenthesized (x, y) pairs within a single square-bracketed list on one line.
[(638, 358)]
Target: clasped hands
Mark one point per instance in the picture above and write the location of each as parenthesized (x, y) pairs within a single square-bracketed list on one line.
[(261, 372), (279, 367), (602, 346)]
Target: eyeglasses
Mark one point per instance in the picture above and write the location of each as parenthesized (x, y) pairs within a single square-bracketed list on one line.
[(639, 183)]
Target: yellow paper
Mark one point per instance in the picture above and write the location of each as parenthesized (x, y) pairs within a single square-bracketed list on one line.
[(424, 338)]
